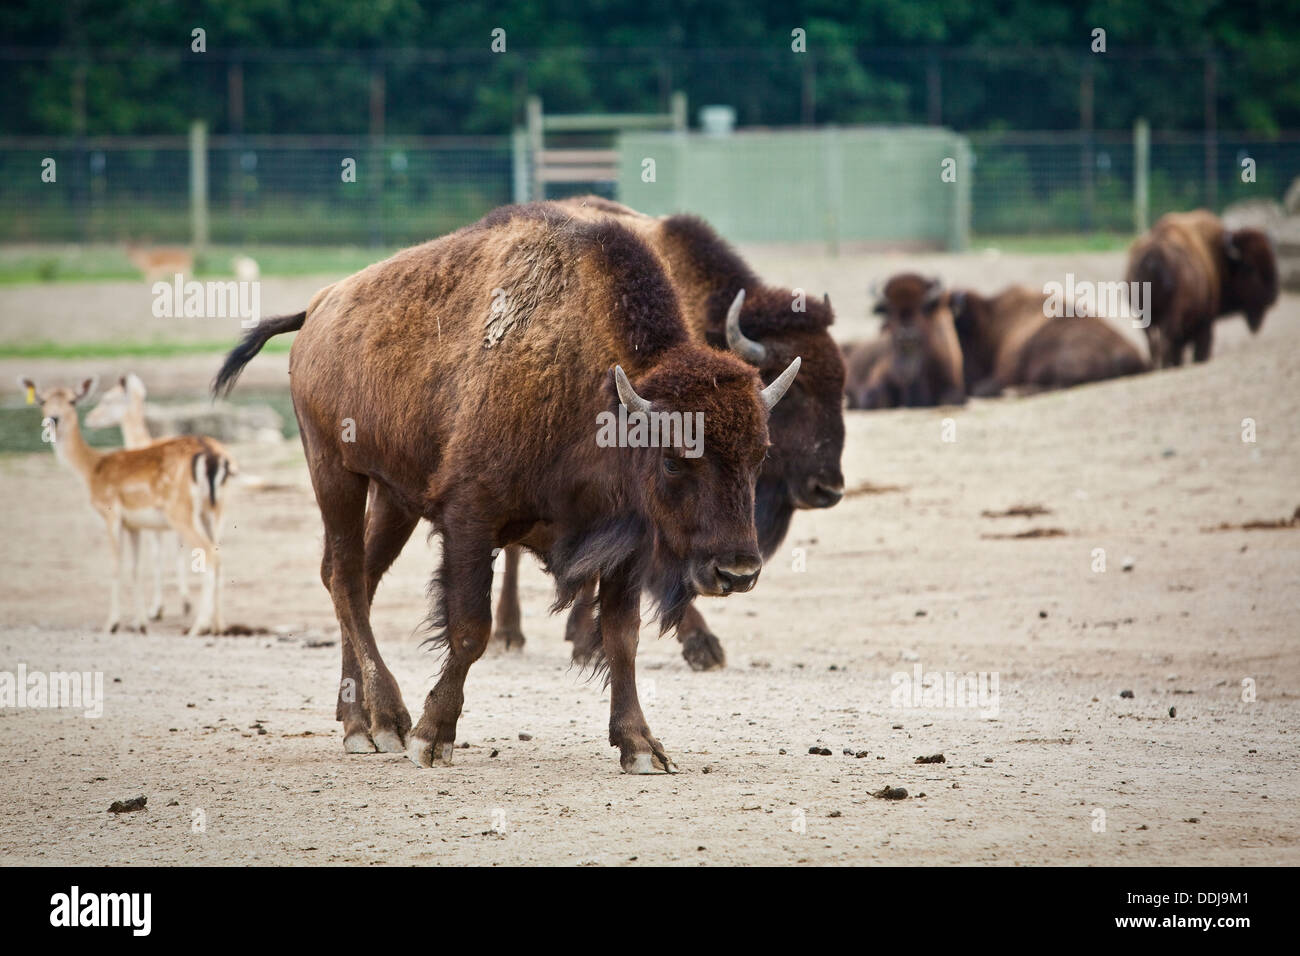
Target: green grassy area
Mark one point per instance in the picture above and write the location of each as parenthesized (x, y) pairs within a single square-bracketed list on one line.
[(73, 263), (1063, 243), (104, 350)]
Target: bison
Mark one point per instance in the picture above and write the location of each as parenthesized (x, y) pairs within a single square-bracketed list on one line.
[(1198, 271), (464, 381), (918, 361), (726, 306), (1008, 340)]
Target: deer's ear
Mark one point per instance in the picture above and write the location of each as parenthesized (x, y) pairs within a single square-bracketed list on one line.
[(87, 386)]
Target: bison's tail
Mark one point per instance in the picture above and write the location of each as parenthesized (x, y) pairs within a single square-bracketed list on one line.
[(251, 344)]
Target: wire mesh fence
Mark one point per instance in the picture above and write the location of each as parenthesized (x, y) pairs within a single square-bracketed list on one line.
[(294, 190)]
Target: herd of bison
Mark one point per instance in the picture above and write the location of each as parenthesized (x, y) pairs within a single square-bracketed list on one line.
[(461, 381)]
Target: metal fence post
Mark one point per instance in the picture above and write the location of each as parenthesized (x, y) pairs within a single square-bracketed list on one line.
[(536, 137), (198, 188), (1141, 175)]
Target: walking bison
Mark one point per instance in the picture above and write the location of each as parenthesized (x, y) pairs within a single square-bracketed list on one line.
[(727, 307), (462, 381), (1198, 271)]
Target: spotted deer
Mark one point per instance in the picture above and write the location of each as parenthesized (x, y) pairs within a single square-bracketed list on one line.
[(122, 406), (176, 483)]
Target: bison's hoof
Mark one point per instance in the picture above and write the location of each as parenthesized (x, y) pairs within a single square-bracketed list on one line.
[(648, 763), (509, 639), (421, 752), (358, 743), (703, 651), (388, 742)]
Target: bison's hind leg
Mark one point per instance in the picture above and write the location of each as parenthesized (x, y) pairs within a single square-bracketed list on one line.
[(507, 632), (466, 596)]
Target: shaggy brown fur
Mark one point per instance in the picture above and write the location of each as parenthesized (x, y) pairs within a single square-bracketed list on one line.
[(491, 437), (925, 359), (1198, 272), (1008, 340), (867, 383), (802, 469)]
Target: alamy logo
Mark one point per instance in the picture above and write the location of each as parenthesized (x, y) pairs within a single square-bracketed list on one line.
[(134, 910), (25, 688), (652, 429), (1106, 300), (179, 299), (934, 689)]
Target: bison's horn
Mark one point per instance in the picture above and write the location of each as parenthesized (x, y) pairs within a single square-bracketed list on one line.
[(774, 392), (627, 394), (752, 352), (826, 300)]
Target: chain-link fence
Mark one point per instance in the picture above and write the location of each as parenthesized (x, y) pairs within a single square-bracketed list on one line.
[(259, 189), (400, 190)]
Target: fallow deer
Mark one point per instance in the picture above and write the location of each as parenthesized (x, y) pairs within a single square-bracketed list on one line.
[(160, 262), (122, 406), (176, 483)]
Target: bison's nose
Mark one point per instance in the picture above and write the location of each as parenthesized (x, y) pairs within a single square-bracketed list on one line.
[(822, 492), (736, 572)]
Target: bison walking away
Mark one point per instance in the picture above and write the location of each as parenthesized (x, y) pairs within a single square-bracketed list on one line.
[(473, 369), (1009, 341), (726, 306), (1198, 272)]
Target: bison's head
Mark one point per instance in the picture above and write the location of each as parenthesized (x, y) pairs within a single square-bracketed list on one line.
[(926, 362), (1250, 285), (807, 428), (698, 488)]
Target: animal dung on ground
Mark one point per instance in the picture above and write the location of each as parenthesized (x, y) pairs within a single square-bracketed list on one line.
[(128, 806), (820, 751), (1126, 693), (1018, 511), (891, 793), (933, 758)]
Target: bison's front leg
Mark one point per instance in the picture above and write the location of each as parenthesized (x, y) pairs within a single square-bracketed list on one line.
[(467, 611), (1203, 343), (620, 619), (700, 646)]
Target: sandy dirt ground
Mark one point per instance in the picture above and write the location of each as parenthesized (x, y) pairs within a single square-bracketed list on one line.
[(232, 739)]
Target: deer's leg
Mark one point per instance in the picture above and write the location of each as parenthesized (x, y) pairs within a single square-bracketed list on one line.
[(182, 572), (157, 557), (580, 628), (137, 586), (114, 522), (466, 608), (620, 619), (197, 541), (700, 646), (341, 495), (506, 628)]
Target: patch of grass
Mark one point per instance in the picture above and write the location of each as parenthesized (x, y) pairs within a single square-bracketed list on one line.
[(108, 350), (1065, 242), (75, 263)]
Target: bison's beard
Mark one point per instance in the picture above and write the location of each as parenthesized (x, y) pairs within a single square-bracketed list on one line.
[(622, 545), (773, 509)]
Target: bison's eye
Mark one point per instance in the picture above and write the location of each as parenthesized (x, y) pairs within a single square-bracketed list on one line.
[(672, 466)]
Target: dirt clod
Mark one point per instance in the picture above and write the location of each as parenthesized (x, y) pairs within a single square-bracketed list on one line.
[(128, 806)]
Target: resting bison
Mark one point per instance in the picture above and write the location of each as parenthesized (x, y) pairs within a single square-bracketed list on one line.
[(727, 307), (1008, 340), (465, 380), (867, 382), (924, 364), (1198, 272)]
